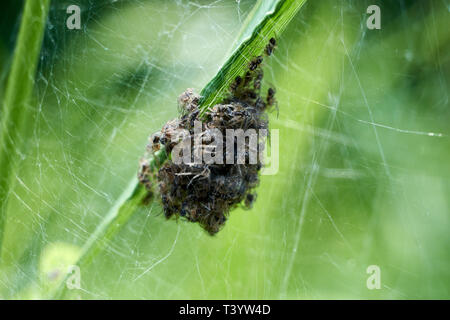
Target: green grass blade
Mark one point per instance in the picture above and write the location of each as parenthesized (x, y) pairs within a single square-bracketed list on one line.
[(273, 23), (15, 106), (267, 19)]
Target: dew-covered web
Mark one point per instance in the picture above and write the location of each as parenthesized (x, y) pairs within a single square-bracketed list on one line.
[(364, 148)]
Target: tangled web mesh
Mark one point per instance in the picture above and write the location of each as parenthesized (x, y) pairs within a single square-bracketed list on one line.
[(363, 176)]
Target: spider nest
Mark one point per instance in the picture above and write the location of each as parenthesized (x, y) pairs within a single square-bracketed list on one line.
[(206, 192)]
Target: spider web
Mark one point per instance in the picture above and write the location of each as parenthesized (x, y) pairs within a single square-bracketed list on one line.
[(364, 149)]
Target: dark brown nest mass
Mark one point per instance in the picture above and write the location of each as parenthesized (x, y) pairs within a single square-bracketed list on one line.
[(206, 191)]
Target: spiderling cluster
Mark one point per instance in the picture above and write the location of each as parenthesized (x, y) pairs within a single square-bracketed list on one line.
[(206, 191)]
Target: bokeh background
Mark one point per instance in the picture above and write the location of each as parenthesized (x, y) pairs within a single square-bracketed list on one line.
[(364, 174)]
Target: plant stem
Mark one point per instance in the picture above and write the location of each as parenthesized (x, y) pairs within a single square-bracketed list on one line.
[(268, 19), (117, 216), (16, 107), (127, 203)]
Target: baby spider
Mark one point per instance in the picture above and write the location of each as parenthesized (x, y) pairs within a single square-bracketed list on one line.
[(270, 96), (270, 46), (237, 81), (144, 173), (270, 99), (247, 78), (187, 100), (155, 141), (249, 200), (255, 63), (257, 81)]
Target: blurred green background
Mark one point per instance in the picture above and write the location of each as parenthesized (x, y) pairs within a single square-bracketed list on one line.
[(364, 175)]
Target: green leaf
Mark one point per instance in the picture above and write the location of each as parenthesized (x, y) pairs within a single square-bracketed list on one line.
[(274, 17), (18, 92)]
